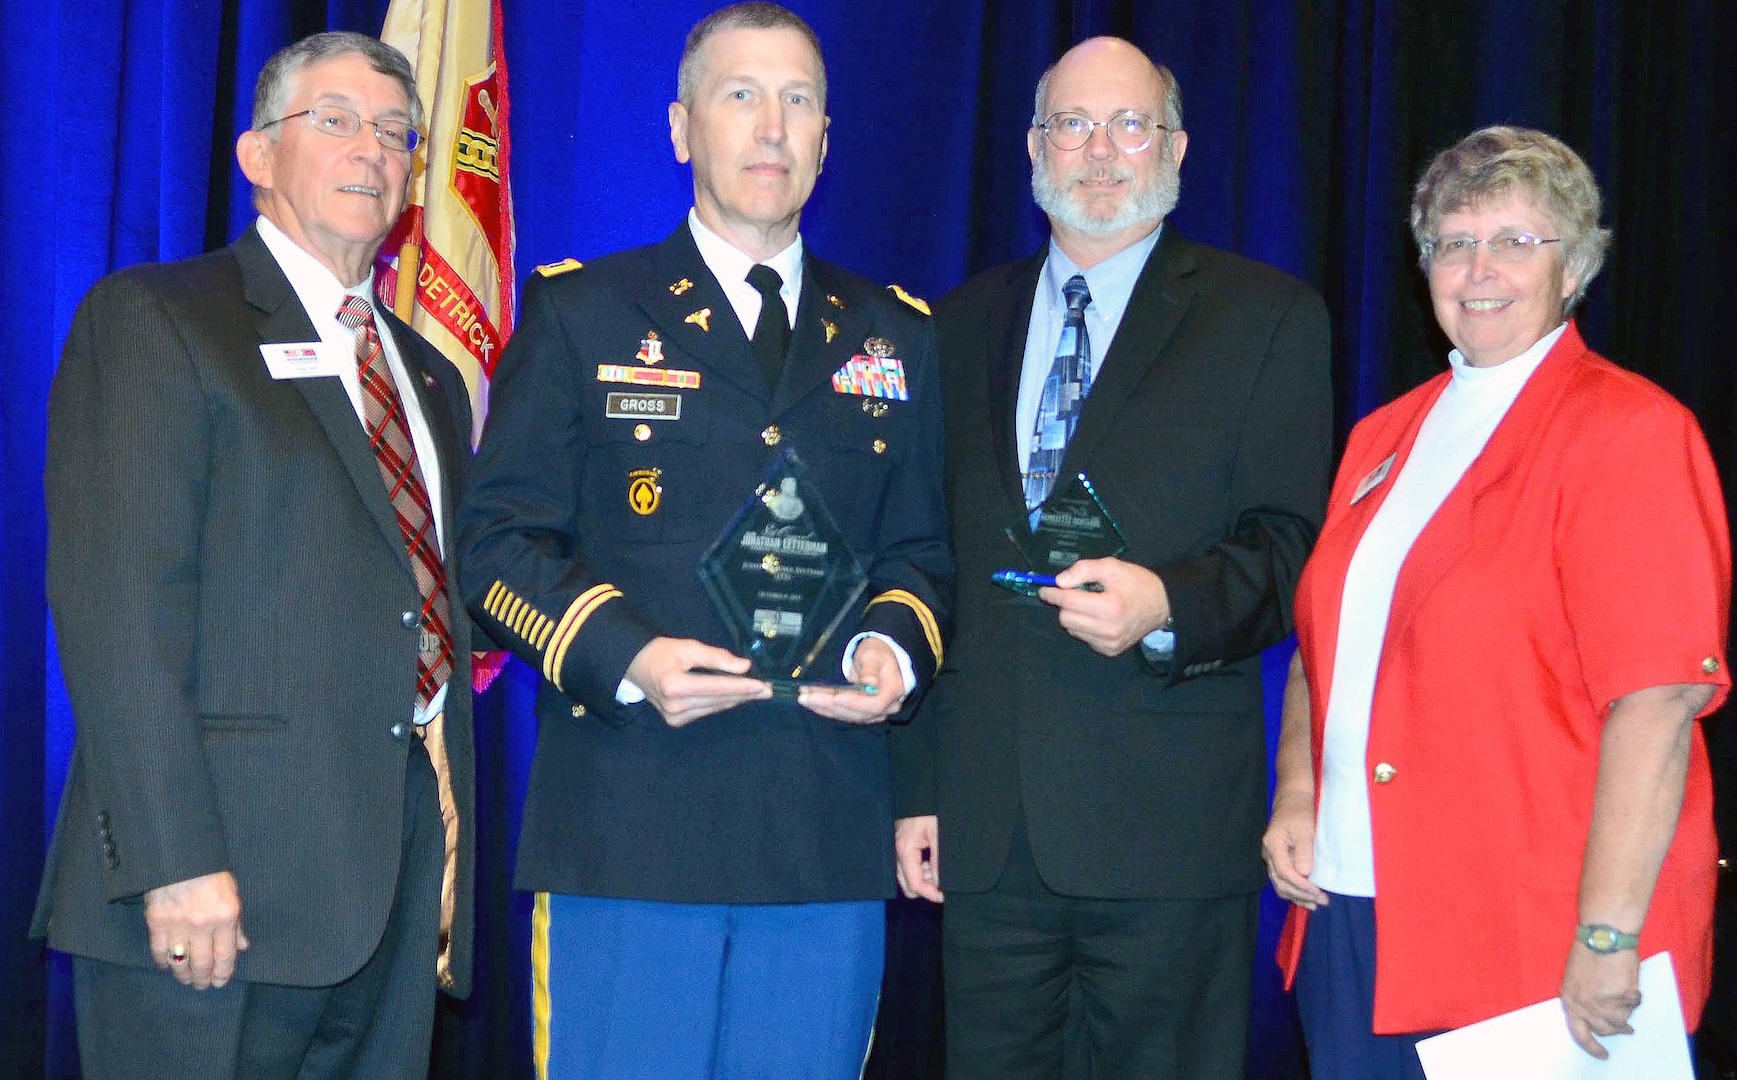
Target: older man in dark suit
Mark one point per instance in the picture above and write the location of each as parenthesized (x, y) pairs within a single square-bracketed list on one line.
[(251, 470), (1092, 767)]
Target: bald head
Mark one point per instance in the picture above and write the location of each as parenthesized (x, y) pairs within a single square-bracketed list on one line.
[(1114, 61)]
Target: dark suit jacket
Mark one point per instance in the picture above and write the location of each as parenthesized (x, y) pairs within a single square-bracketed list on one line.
[(563, 562), (1207, 433), (230, 592)]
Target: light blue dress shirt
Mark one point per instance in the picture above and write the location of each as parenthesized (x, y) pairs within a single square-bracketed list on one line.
[(1111, 283)]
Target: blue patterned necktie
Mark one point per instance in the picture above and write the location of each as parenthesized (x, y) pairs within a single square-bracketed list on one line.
[(1064, 394)]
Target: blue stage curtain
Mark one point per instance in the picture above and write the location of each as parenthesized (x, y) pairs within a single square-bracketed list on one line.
[(1309, 120)]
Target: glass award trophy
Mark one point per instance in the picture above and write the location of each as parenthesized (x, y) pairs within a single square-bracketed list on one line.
[(1072, 524), (781, 576)]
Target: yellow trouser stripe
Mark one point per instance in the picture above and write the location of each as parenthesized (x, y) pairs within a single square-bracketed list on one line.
[(540, 1008)]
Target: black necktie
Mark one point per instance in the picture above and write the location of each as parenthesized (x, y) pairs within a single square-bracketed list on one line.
[(772, 329)]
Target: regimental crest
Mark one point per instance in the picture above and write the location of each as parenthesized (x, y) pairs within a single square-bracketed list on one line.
[(650, 349), (476, 170)]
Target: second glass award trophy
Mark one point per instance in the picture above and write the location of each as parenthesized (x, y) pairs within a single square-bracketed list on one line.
[(781, 576), (1072, 524)]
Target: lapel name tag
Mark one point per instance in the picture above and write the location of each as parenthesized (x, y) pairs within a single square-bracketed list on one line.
[(638, 376), (872, 376), (1373, 480), (304, 359), (643, 407)]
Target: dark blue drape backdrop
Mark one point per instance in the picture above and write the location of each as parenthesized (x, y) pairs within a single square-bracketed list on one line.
[(1308, 122)]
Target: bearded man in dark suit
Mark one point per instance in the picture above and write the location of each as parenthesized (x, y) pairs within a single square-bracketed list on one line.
[(251, 474), (1093, 765)]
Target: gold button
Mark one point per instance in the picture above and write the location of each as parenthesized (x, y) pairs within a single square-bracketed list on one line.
[(642, 432), (771, 436), (1384, 773), (578, 711), (880, 446), (1710, 665)]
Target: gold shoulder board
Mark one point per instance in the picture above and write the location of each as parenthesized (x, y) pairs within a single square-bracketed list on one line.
[(562, 267)]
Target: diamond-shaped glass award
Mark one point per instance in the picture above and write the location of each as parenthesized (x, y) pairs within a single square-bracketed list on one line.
[(1072, 524), (781, 575)]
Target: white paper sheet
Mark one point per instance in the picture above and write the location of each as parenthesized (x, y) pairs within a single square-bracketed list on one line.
[(1533, 1043)]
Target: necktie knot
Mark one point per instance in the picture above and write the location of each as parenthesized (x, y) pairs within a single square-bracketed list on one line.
[(355, 312), (765, 280), (1077, 295)]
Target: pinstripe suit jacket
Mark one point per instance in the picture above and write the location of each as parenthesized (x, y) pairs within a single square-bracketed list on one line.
[(230, 594)]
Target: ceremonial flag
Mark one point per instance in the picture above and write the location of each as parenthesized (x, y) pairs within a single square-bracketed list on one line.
[(452, 276), (449, 270)]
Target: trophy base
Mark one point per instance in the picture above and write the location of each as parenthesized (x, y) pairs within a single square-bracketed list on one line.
[(783, 688)]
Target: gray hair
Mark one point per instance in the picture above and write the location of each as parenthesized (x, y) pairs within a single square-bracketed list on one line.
[(271, 93), (1172, 104), (754, 15), (1496, 162)]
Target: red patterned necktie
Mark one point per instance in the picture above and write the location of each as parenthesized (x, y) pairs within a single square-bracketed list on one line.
[(389, 435)]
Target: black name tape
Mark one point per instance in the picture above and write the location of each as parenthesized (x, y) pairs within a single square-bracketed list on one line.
[(625, 406)]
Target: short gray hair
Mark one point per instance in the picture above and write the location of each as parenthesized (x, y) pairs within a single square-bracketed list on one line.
[(271, 93), (754, 15), (1172, 104), (1496, 162)]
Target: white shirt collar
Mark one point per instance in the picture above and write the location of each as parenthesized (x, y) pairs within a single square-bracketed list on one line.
[(730, 266), (315, 285)]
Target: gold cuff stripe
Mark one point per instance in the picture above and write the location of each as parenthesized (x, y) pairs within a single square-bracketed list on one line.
[(574, 618), (925, 617), (515, 612)]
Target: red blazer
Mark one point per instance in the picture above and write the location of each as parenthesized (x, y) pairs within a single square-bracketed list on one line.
[(1582, 557)]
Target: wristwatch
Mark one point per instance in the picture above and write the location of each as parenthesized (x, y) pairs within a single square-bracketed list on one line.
[(1605, 940)]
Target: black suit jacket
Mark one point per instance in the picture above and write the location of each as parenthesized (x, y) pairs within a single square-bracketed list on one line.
[(576, 568), (1207, 433), (230, 592)]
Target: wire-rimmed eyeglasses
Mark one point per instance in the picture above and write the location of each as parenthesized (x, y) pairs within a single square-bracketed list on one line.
[(343, 123), (1132, 132)]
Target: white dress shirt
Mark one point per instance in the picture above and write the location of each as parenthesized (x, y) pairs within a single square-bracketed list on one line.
[(321, 294)]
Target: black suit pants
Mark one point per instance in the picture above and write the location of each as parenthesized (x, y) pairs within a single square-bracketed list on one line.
[(141, 1024), (1041, 986)]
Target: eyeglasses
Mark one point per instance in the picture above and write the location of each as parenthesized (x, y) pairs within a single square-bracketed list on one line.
[(344, 123), (1132, 132), (1504, 247)]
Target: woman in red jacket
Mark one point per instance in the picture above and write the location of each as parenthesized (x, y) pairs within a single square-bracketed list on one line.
[(1492, 788)]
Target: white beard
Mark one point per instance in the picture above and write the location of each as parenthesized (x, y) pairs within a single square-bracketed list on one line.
[(1151, 201)]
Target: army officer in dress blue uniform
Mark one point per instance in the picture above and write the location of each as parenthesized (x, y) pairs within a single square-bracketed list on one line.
[(709, 861)]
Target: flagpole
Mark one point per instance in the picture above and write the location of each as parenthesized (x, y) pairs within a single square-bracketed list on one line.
[(409, 267)]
